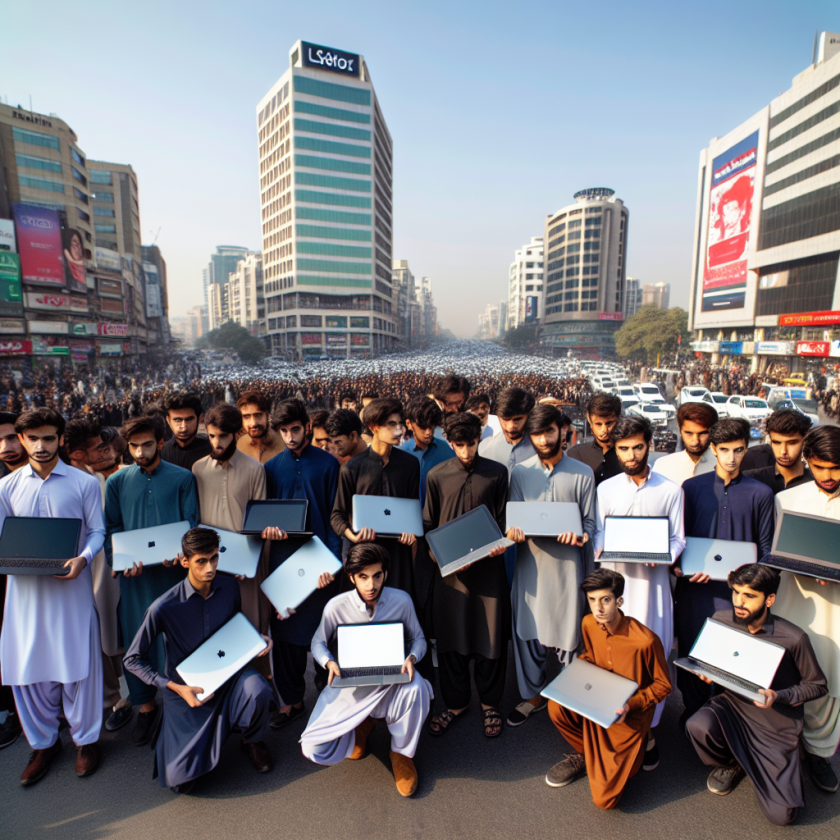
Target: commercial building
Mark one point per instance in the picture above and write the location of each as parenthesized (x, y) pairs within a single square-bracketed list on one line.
[(656, 294), (525, 284), (245, 300), (632, 296), (491, 322), (326, 199), (220, 267), (764, 283), (416, 310), (585, 272)]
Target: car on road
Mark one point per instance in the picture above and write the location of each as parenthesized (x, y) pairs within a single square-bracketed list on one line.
[(646, 390), (650, 411), (660, 401), (795, 398), (718, 401), (628, 401), (692, 393), (752, 409)]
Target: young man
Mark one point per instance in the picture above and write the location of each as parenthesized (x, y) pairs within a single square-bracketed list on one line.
[(471, 607), (815, 605), (786, 429), (602, 413), (348, 400), (623, 645), (723, 505), (423, 418), (735, 735), (149, 492), (479, 404), (511, 445), (451, 393), (345, 432), (193, 730), (318, 430), (545, 597), (695, 420), (302, 471), (185, 447), (343, 718), (260, 441), (49, 645)]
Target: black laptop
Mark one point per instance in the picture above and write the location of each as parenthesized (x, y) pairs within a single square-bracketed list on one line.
[(34, 545), (806, 544), (288, 515)]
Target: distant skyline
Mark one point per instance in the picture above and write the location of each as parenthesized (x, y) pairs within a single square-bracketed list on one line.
[(498, 112)]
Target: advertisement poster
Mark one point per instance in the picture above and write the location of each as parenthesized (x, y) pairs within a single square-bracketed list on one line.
[(15, 347), (49, 346), (39, 244), (7, 236), (531, 307), (74, 260), (730, 217), (105, 258), (153, 297), (56, 303), (11, 297)]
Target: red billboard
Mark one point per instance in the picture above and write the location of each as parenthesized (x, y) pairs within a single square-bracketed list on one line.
[(15, 347), (809, 319), (112, 329), (812, 348), (39, 244)]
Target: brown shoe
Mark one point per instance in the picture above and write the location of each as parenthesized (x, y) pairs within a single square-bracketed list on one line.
[(39, 763), (87, 759), (363, 731), (405, 773), (259, 756)]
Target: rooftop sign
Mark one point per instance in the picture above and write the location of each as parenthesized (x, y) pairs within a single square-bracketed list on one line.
[(326, 58)]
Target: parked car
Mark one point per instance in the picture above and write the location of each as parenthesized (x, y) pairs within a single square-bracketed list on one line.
[(692, 393), (645, 390), (718, 401), (628, 401), (752, 409), (650, 411), (665, 406), (796, 399)]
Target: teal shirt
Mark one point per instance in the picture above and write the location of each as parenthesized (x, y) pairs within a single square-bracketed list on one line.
[(435, 453)]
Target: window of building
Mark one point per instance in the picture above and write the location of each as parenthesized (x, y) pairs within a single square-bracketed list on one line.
[(310, 179), (103, 211), (808, 215), (35, 138), (80, 195), (105, 228), (332, 165), (802, 127), (30, 162), (83, 216), (99, 176), (310, 320), (103, 196), (327, 90), (803, 175), (302, 107), (825, 140), (41, 184), (78, 176), (808, 286), (77, 157)]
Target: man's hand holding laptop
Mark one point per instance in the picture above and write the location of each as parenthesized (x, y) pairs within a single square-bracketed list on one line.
[(566, 538), (75, 564), (324, 580)]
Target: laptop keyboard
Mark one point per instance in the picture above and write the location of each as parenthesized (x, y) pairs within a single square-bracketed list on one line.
[(384, 671), (814, 569), (652, 557), (730, 678), (23, 563)]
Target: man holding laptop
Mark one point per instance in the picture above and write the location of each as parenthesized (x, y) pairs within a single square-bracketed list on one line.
[(343, 718)]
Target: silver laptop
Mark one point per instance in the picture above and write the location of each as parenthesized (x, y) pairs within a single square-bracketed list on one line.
[(388, 516), (221, 656), (470, 537), (806, 545), (149, 546), (544, 519), (734, 659), (591, 691), (296, 578), (637, 539), (370, 654), (239, 554), (715, 558)]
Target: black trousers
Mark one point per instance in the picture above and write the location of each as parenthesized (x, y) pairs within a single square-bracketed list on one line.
[(290, 670), (489, 674)]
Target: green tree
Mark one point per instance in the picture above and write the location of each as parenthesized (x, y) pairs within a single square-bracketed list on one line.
[(230, 336), (651, 331), (520, 338)]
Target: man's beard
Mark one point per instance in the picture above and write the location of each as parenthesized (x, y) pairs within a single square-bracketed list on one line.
[(547, 456), (227, 454), (637, 470), (751, 618), (518, 435), (696, 450), (258, 431), (14, 460)]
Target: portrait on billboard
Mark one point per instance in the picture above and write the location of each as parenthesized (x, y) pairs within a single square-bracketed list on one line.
[(731, 208), (74, 260)]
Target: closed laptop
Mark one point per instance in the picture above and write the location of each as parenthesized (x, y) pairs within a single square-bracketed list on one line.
[(544, 519), (239, 554), (388, 516), (716, 558), (149, 546)]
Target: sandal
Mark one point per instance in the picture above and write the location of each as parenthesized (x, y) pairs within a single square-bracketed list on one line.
[(492, 723), (443, 721)]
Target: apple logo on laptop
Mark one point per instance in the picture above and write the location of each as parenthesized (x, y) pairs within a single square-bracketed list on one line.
[(718, 557), (301, 572), (543, 516), (736, 653), (220, 654), (151, 544), (222, 549), (588, 686), (387, 512)]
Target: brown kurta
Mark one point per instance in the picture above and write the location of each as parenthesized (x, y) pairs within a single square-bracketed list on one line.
[(471, 608), (615, 755)]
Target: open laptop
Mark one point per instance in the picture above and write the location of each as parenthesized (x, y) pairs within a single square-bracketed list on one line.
[(288, 515), (388, 516), (470, 537), (239, 554), (715, 558), (296, 578), (33, 545), (637, 539), (806, 545), (149, 546), (221, 656), (733, 659), (544, 519), (591, 691), (370, 654)]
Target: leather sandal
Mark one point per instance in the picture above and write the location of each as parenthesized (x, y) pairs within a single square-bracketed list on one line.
[(443, 721), (492, 721)]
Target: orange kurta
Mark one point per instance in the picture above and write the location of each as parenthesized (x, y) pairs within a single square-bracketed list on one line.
[(614, 755)]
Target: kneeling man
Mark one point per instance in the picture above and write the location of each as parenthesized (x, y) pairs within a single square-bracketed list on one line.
[(343, 718)]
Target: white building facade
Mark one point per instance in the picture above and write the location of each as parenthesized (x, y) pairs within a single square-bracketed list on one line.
[(525, 290)]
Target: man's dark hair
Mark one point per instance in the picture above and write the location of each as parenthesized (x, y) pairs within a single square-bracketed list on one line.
[(199, 541), (37, 418), (697, 412), (343, 421), (787, 421), (79, 433), (226, 417), (8, 417), (822, 443), (253, 397), (452, 384), (514, 401), (424, 412), (362, 555), (628, 427), (604, 405), (476, 400), (543, 417), (604, 579), (291, 411), (378, 411), (347, 395), (180, 401), (757, 576), (318, 419), (141, 425), (730, 429), (463, 427)]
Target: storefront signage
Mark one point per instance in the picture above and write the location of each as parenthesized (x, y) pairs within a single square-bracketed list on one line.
[(50, 347), (326, 58), (66, 303), (705, 346), (812, 348), (15, 348), (110, 349), (775, 348), (610, 316), (732, 348), (112, 329), (48, 327), (809, 319)]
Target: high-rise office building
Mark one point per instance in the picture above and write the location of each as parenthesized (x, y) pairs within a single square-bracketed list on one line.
[(325, 174), (656, 294), (526, 281), (221, 265), (585, 270), (632, 296), (246, 304)]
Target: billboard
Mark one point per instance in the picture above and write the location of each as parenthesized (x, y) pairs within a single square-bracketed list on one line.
[(730, 217), (532, 307), (106, 258), (153, 299), (39, 244), (7, 236), (11, 297), (56, 303), (327, 58), (49, 346), (812, 348), (15, 347), (74, 260), (112, 329), (809, 319)]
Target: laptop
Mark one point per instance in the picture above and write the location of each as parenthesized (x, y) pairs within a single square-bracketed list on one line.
[(544, 519), (288, 515), (221, 656), (388, 516), (637, 539), (591, 691), (239, 554), (149, 546), (296, 578), (370, 654), (34, 545), (806, 545), (734, 659), (470, 537), (715, 558)]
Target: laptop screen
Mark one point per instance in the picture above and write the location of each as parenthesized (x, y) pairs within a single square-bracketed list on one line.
[(636, 534), (287, 515), (458, 538), (370, 645), (737, 653), (806, 537), (25, 536)]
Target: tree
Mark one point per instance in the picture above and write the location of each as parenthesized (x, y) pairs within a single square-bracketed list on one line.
[(651, 331), (230, 336), (520, 338)]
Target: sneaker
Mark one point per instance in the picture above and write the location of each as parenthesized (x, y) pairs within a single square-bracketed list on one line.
[(822, 774), (143, 727), (722, 780), (119, 717), (10, 730), (569, 770), (651, 759), (524, 710), (280, 719)]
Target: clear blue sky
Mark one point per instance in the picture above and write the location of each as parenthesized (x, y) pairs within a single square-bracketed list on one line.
[(498, 111)]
